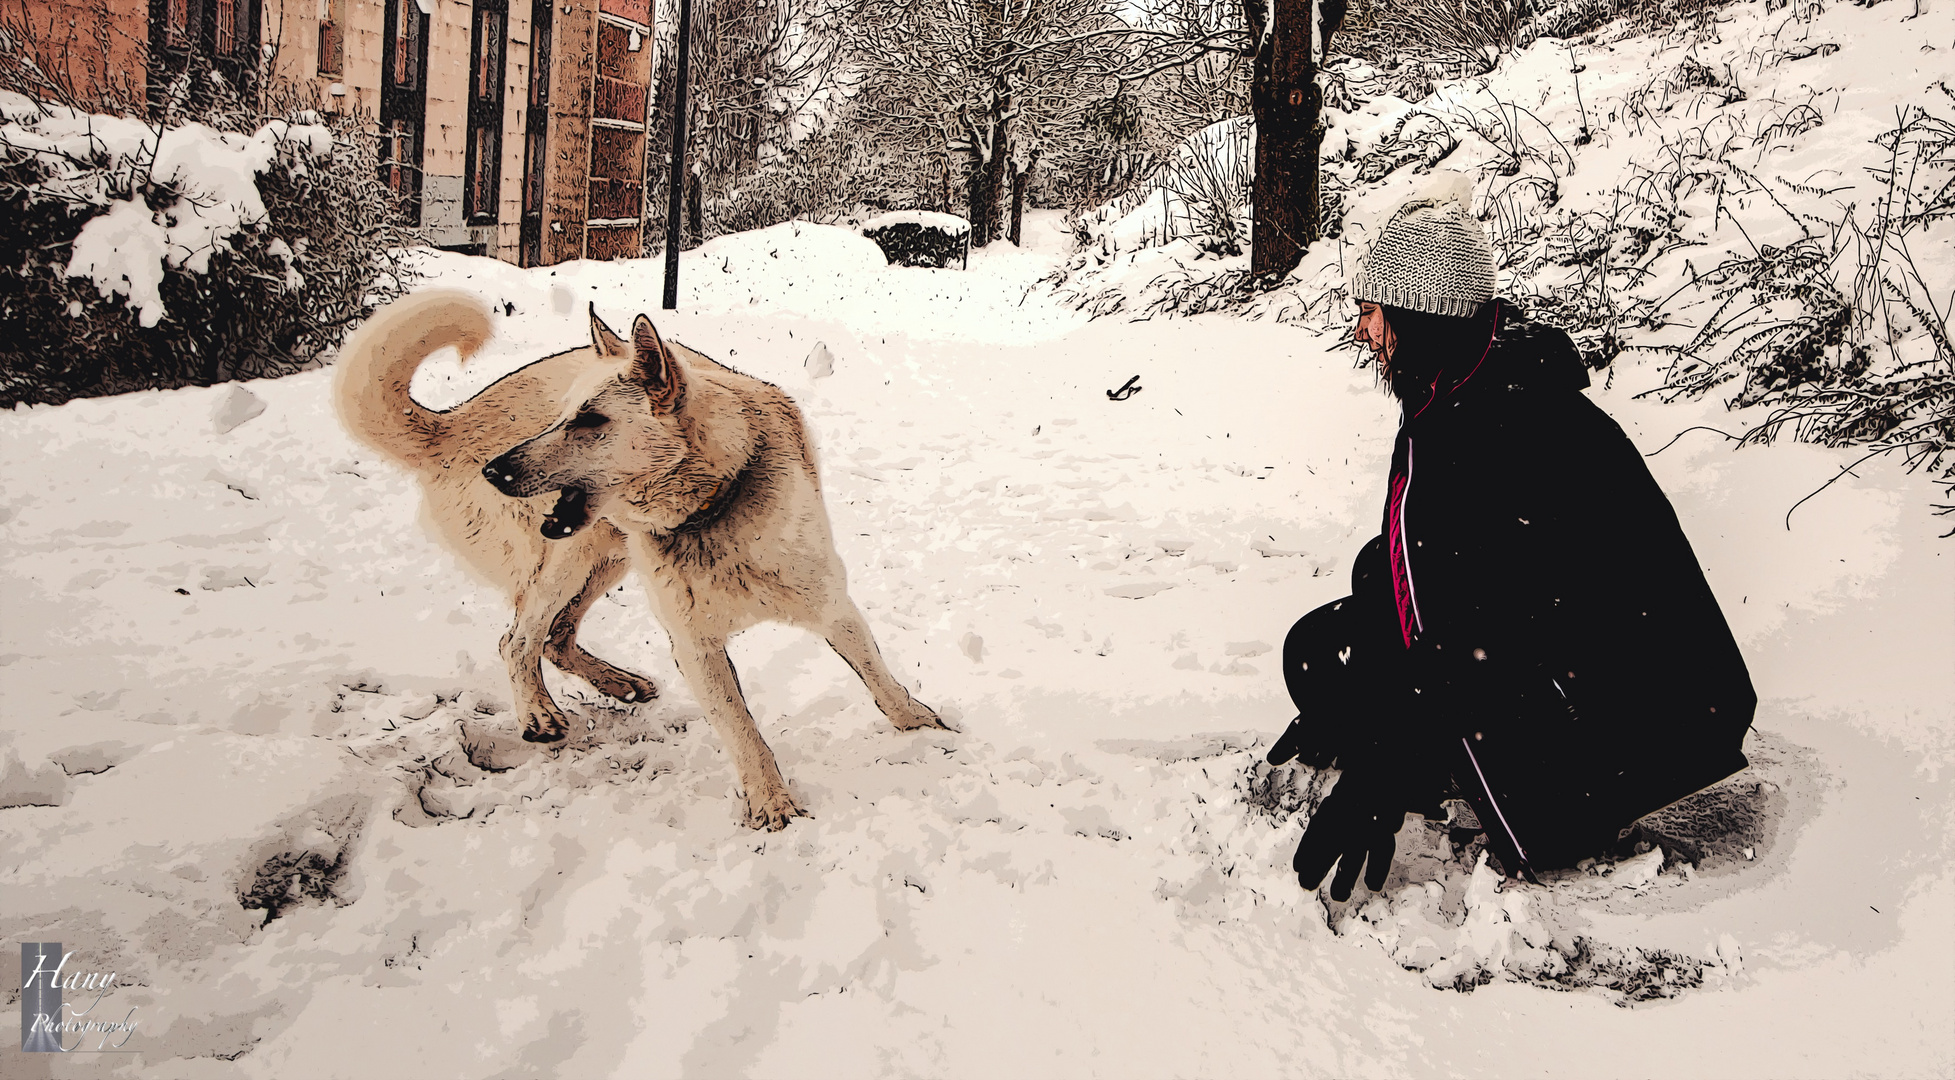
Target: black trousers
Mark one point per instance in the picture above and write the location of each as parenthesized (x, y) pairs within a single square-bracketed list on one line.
[(1344, 667)]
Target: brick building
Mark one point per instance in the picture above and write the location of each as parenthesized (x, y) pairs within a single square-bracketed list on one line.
[(515, 128)]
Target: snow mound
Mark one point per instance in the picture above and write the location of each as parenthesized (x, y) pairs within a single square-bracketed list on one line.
[(1209, 170), (795, 254), (1447, 915)]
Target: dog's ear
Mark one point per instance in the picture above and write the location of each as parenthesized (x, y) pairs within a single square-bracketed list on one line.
[(653, 366), (607, 342)]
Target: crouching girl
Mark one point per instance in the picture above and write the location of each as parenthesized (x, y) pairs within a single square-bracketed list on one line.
[(1530, 631)]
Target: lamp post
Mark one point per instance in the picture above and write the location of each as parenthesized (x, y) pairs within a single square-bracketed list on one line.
[(676, 177)]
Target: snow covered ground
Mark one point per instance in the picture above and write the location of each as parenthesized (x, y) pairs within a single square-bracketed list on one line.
[(234, 669)]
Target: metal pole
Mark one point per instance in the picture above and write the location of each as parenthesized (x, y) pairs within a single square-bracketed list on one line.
[(676, 177)]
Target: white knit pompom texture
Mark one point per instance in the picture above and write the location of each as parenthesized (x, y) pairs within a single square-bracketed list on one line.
[(1432, 256)]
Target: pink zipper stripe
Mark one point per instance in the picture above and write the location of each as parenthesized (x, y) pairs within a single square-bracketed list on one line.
[(1402, 595), (1405, 545), (1493, 802)]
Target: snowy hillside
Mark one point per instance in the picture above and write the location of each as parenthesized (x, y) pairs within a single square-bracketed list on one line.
[(235, 671)]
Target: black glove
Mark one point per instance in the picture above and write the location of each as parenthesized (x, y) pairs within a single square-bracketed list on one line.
[(1301, 741), (1356, 825)]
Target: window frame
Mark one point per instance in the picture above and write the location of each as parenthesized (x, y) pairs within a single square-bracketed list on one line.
[(486, 106)]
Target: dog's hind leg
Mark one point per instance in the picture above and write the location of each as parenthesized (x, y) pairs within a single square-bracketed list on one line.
[(704, 663), (569, 657), (848, 634)]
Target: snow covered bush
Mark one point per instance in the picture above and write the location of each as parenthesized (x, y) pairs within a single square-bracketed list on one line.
[(1200, 193), (144, 255), (920, 237)]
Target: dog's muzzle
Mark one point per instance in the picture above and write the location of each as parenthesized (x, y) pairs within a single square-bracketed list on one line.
[(503, 474), (572, 512)]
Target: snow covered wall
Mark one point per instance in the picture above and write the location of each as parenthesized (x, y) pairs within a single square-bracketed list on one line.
[(245, 697)]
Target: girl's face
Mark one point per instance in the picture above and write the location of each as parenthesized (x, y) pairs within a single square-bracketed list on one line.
[(1376, 334)]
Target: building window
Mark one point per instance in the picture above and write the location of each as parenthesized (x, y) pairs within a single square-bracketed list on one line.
[(542, 14), (227, 27), (397, 157), (176, 24), (332, 36), (403, 102), (487, 83), (196, 39), (408, 23)]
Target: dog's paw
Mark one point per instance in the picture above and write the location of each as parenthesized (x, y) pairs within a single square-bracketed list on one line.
[(625, 686), (772, 810), (607, 679), (917, 715), (544, 726)]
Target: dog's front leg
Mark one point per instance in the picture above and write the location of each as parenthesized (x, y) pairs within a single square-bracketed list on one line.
[(522, 651), (555, 586), (704, 663), (848, 634)]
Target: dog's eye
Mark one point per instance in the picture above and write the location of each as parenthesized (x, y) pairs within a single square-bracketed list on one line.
[(587, 420)]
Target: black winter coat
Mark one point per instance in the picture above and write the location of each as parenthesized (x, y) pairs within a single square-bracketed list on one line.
[(1562, 651)]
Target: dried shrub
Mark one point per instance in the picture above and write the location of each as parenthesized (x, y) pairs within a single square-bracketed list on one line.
[(1802, 328)]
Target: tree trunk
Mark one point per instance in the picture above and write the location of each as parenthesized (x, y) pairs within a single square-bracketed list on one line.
[(1017, 206), (975, 202), (1287, 105), (695, 212), (993, 144), (1020, 179), (988, 187)]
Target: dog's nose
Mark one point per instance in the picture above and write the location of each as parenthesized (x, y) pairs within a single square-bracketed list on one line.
[(500, 472)]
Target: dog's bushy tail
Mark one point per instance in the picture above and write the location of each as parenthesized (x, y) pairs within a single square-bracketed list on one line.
[(379, 359)]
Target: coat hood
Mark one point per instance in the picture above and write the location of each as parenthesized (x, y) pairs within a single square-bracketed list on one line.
[(1528, 355), (1522, 355)]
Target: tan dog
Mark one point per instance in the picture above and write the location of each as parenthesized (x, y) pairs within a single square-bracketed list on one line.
[(699, 477)]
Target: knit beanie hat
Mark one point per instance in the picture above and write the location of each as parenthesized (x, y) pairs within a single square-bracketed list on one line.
[(1431, 256)]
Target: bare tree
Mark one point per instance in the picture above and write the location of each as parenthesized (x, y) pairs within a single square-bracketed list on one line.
[(983, 87), (760, 71), (993, 89)]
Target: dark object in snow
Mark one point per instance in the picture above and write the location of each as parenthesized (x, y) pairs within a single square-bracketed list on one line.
[(307, 861), (1532, 626), (1127, 389), (921, 238)]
